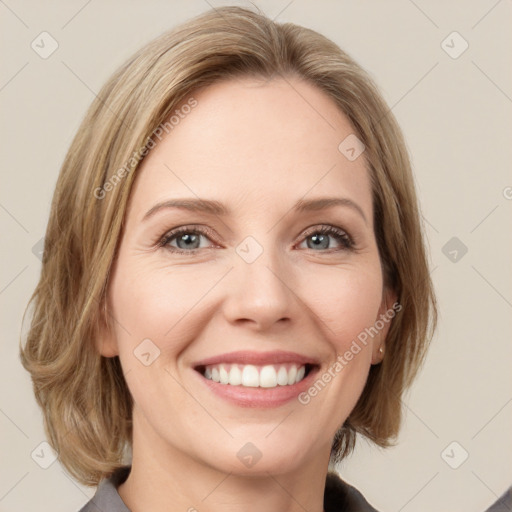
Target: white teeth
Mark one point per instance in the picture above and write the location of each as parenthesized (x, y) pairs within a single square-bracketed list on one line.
[(282, 376), (251, 376), (292, 375), (235, 376), (268, 377), (223, 374)]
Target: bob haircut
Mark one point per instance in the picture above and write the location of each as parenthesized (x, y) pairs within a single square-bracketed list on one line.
[(85, 401)]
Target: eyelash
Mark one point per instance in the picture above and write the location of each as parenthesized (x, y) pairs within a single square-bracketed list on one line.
[(340, 235)]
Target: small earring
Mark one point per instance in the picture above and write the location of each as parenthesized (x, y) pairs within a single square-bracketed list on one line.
[(381, 351)]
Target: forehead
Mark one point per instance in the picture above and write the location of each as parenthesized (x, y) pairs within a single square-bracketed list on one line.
[(254, 144)]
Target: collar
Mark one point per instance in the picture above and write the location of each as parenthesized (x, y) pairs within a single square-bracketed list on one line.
[(339, 496)]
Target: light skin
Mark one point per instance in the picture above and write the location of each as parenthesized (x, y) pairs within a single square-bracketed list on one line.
[(258, 148)]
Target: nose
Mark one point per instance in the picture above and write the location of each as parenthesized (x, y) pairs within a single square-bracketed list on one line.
[(260, 294)]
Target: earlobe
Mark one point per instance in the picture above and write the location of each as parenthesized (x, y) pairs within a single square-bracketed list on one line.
[(105, 341), (383, 322), (378, 352), (106, 348)]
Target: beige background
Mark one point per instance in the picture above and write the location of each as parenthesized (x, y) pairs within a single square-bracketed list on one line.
[(456, 115)]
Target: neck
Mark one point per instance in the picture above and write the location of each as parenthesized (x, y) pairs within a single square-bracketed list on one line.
[(166, 478)]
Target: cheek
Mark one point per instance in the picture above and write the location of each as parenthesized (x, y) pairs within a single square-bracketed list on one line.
[(347, 301), (170, 304), (155, 302), (151, 308)]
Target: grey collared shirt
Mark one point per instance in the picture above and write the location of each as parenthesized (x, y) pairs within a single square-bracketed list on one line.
[(106, 498), (339, 496)]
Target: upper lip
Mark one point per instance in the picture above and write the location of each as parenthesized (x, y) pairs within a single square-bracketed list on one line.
[(258, 358)]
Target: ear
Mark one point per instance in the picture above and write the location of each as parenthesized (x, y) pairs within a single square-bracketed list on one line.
[(387, 311), (105, 340)]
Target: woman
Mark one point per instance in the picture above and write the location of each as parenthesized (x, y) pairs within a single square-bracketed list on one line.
[(234, 280)]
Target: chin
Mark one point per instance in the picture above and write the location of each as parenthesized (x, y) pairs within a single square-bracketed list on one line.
[(258, 457)]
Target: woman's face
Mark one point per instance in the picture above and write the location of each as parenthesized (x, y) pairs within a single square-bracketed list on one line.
[(264, 285)]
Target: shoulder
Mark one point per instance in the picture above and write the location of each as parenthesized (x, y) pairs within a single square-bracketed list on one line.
[(504, 504), (106, 498), (342, 497)]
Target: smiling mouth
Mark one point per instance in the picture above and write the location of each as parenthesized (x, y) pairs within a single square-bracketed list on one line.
[(256, 376)]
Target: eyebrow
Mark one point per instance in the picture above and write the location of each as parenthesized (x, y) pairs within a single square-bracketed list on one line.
[(328, 202), (217, 208)]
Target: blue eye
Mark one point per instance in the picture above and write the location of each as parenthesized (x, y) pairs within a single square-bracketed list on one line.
[(320, 238), (187, 239)]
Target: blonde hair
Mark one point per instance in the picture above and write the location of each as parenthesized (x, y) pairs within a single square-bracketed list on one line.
[(84, 397)]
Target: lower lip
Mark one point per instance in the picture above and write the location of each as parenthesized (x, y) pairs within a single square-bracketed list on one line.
[(259, 397)]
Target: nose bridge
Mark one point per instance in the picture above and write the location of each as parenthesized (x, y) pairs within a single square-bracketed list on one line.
[(261, 267), (259, 290)]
